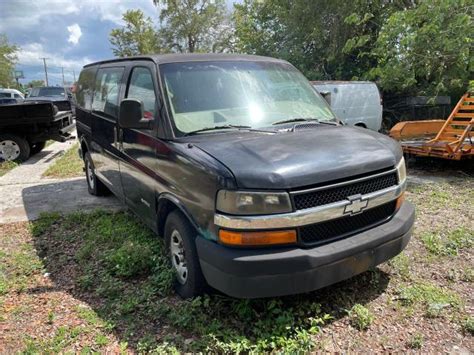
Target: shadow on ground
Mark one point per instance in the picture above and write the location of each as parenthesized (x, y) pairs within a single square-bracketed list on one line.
[(442, 168), (65, 196), (115, 265)]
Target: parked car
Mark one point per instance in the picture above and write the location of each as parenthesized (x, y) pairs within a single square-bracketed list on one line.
[(60, 96), (245, 171), (11, 94), (9, 101), (25, 128), (356, 103)]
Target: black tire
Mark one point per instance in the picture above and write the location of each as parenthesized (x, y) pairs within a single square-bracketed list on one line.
[(20, 146), (194, 283), (37, 147), (94, 185)]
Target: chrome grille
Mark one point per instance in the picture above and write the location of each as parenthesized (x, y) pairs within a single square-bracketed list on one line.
[(323, 196), (325, 232)]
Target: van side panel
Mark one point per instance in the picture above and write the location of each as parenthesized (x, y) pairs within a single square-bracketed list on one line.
[(355, 103)]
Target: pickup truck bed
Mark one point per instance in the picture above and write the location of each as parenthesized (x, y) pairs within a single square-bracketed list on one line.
[(25, 127)]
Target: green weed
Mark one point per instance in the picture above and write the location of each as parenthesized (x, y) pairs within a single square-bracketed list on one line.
[(416, 341), (468, 325), (450, 243), (432, 298), (360, 317), (401, 265)]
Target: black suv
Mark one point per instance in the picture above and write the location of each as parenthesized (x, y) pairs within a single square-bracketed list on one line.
[(245, 171)]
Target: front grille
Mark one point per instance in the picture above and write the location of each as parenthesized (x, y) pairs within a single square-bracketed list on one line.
[(342, 227), (63, 105), (340, 193)]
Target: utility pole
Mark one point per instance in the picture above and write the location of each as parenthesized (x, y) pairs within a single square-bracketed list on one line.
[(62, 72), (74, 74), (45, 70)]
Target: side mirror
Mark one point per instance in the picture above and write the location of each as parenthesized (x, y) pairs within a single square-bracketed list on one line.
[(326, 96), (131, 115)]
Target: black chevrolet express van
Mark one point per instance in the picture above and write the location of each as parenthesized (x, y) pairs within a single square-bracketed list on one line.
[(242, 167)]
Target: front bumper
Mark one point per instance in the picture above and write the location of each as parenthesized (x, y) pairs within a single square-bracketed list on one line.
[(256, 273)]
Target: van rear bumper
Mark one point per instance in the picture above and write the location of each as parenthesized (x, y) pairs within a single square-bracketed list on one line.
[(257, 273)]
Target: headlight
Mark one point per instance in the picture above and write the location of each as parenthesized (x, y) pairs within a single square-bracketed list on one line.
[(401, 171), (252, 203)]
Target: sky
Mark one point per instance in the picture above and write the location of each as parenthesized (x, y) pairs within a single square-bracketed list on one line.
[(69, 33)]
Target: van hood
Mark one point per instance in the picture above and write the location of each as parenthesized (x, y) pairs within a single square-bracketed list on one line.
[(288, 160)]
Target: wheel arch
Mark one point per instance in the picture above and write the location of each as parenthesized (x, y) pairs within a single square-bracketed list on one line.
[(84, 146), (167, 203), (360, 124)]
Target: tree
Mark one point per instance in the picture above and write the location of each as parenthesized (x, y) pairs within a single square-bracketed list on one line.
[(7, 62), (138, 36), (426, 50), (35, 84), (194, 25), (324, 39)]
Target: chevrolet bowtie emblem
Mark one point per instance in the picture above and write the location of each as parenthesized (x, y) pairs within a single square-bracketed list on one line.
[(356, 205)]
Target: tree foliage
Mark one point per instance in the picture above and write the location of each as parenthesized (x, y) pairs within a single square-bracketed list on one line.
[(194, 25), (138, 36), (407, 46), (35, 84), (427, 49), (7, 61), (185, 26)]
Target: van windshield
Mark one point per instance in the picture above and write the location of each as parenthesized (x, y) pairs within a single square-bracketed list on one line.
[(251, 94)]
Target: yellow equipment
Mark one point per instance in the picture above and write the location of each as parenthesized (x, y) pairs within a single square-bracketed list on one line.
[(453, 140)]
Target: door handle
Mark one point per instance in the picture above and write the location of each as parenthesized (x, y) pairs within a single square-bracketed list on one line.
[(115, 137), (120, 139)]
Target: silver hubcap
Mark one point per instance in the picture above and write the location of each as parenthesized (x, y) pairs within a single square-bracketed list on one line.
[(9, 150), (90, 174), (178, 257)]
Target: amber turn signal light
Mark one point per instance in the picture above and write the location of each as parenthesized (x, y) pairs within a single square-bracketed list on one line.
[(400, 201), (257, 238)]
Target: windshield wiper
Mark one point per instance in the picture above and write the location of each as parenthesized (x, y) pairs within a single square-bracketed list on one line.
[(315, 120), (227, 126), (291, 120)]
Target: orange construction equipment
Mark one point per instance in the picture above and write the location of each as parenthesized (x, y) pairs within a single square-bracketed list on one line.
[(454, 137)]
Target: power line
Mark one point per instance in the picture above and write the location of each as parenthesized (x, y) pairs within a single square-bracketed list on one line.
[(45, 70)]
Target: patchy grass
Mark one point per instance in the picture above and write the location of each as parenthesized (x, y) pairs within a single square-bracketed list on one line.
[(450, 243), (68, 165), (468, 325), (416, 341), (6, 166), (401, 265), (432, 298), (99, 282), (360, 317)]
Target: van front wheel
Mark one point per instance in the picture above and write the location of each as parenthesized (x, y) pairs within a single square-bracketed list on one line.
[(179, 239)]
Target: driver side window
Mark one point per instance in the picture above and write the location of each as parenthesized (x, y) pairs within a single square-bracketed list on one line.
[(141, 88)]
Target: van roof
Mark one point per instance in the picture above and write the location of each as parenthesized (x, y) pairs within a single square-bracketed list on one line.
[(339, 82), (190, 57)]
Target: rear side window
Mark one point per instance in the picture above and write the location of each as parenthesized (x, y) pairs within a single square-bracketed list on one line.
[(141, 88), (5, 94), (85, 88), (107, 89)]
